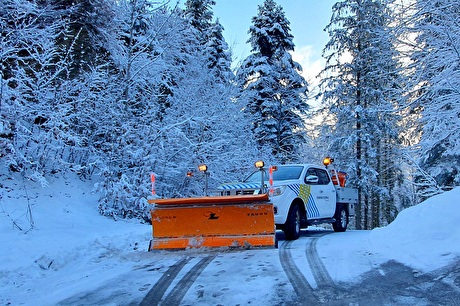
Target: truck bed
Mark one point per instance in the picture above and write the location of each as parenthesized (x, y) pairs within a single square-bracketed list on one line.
[(348, 196)]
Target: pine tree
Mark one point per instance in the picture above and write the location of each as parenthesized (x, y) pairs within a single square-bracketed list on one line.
[(361, 98), (271, 85)]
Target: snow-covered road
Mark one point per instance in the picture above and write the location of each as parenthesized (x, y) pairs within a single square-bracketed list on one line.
[(294, 274), (70, 255)]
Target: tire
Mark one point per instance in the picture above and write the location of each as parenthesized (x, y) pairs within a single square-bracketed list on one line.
[(341, 219), (292, 225)]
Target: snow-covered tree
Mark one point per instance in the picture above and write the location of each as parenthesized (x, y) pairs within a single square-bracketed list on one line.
[(362, 88), (436, 81), (33, 138), (271, 85), (83, 39), (203, 123), (168, 114), (210, 37), (204, 126), (131, 107), (200, 15), (219, 57)]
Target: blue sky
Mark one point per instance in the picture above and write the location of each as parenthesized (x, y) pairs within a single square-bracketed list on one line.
[(308, 18)]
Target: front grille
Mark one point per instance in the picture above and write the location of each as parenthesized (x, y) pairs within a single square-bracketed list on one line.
[(245, 191), (237, 192)]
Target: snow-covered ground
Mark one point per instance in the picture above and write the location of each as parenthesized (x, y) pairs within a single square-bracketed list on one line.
[(72, 250)]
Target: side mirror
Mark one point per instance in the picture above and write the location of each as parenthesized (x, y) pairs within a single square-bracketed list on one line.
[(312, 179)]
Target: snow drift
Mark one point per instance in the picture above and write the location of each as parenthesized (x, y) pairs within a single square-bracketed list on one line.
[(425, 236)]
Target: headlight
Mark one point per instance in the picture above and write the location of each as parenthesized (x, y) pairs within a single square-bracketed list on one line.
[(276, 191)]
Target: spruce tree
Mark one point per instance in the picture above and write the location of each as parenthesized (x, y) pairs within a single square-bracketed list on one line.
[(200, 15), (210, 37), (362, 88), (206, 124), (271, 85), (219, 57)]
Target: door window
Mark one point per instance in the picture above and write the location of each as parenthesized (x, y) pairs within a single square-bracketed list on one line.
[(323, 178)]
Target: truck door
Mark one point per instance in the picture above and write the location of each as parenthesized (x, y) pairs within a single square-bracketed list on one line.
[(321, 204)]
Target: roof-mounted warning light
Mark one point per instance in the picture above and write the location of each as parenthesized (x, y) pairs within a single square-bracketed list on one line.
[(327, 161), (259, 164), (203, 167)]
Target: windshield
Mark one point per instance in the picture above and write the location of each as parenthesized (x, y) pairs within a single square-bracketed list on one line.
[(283, 173)]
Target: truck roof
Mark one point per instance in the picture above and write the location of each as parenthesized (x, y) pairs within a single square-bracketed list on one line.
[(303, 165)]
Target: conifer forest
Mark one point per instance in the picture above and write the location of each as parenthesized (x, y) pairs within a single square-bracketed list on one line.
[(119, 89)]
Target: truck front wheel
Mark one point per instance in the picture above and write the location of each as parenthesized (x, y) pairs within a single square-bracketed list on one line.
[(292, 225), (341, 219)]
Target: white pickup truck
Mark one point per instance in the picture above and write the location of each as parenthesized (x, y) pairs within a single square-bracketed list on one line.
[(302, 195)]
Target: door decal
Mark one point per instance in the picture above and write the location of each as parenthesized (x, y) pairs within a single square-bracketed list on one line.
[(303, 192)]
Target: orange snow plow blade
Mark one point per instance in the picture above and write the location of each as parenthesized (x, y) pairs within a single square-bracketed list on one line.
[(228, 221)]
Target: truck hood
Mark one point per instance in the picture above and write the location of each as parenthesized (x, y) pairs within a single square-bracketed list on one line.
[(243, 185), (233, 186)]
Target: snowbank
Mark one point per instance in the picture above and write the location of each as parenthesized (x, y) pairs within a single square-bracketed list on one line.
[(425, 236), (70, 243)]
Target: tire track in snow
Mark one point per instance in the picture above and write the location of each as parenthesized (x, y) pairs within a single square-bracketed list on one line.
[(178, 292), (319, 271), (155, 294), (175, 296), (301, 286)]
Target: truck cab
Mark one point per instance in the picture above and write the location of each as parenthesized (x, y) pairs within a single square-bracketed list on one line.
[(302, 195)]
